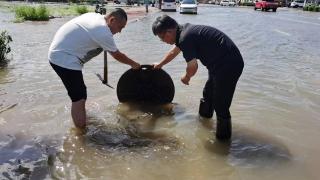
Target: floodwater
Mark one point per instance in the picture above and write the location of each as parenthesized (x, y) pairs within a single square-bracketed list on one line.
[(275, 108)]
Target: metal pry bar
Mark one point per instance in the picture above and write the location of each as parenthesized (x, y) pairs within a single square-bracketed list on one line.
[(104, 80)]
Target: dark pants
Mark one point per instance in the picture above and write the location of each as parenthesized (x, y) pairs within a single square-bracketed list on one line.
[(219, 89), (73, 82)]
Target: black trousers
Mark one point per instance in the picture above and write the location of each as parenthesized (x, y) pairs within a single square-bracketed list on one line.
[(72, 81), (221, 84)]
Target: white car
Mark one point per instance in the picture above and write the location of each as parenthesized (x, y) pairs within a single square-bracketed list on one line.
[(169, 5), (189, 6), (227, 3), (297, 3)]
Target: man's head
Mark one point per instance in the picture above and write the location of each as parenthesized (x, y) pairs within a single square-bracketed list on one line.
[(165, 28), (116, 20)]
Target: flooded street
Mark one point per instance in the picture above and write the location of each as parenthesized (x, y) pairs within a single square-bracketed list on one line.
[(275, 108)]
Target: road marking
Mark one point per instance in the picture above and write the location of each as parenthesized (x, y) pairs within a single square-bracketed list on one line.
[(298, 21), (282, 32)]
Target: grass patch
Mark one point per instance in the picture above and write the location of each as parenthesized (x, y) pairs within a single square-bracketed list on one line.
[(311, 7), (69, 10), (26, 11), (5, 39), (81, 9), (31, 13)]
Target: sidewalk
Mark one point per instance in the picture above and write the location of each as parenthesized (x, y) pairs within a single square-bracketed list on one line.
[(138, 12)]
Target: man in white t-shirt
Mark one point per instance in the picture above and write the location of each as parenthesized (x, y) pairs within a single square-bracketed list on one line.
[(78, 41)]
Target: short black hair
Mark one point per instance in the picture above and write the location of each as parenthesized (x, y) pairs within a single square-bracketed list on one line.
[(163, 23), (118, 13)]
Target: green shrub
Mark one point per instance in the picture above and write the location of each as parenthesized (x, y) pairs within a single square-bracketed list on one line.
[(81, 9), (311, 8), (247, 4), (40, 13), (305, 8), (5, 39), (25, 12)]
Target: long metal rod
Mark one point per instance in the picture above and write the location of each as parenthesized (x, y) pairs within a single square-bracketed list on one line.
[(105, 67), (105, 70)]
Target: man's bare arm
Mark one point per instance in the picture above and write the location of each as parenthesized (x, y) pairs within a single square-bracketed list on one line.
[(191, 70), (169, 57), (119, 56)]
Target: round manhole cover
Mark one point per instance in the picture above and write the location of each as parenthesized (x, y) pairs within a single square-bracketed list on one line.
[(145, 85)]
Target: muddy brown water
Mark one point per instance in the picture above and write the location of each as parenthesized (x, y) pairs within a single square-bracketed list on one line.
[(275, 109)]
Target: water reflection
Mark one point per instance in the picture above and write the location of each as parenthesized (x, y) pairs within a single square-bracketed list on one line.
[(252, 149), (140, 134), (25, 157), (247, 148), (135, 134), (135, 127), (5, 103)]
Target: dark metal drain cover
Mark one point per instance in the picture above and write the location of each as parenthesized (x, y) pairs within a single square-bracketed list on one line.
[(145, 85)]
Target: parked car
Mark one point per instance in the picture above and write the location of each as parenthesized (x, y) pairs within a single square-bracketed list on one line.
[(168, 5), (188, 6), (132, 2), (297, 3), (227, 3), (265, 5)]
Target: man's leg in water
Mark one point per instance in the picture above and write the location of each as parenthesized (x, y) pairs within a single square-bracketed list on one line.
[(78, 113), (77, 91)]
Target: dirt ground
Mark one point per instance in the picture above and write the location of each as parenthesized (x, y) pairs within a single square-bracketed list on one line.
[(138, 12)]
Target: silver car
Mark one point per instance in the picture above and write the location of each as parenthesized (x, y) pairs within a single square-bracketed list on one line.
[(188, 6), (297, 3)]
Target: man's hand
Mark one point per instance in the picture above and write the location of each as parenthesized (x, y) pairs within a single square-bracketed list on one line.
[(168, 58), (192, 67), (185, 79), (135, 65), (119, 56), (157, 66)]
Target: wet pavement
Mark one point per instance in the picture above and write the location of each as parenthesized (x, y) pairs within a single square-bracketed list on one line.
[(275, 109)]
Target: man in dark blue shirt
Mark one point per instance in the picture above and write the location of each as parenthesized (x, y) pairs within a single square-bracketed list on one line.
[(217, 52)]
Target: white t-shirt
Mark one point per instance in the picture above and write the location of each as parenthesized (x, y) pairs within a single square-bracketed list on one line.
[(79, 40)]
